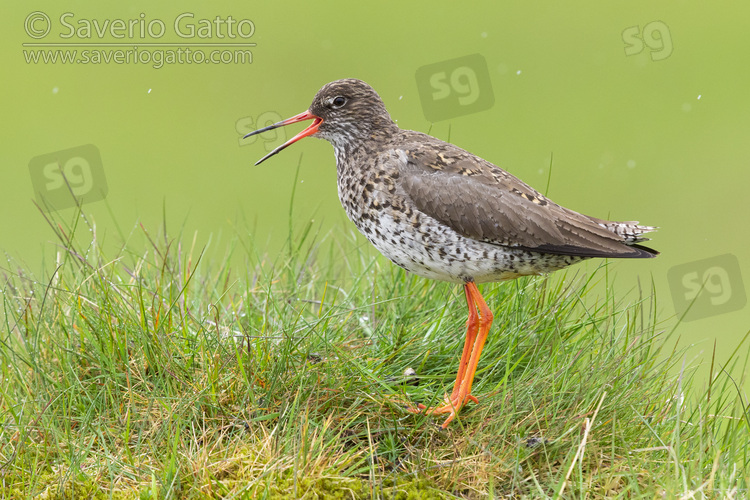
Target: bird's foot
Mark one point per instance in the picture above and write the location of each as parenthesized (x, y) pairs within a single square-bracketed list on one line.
[(452, 406)]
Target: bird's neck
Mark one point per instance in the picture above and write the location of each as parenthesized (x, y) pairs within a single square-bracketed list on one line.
[(363, 139)]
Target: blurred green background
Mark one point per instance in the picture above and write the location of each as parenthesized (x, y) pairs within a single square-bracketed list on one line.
[(643, 105)]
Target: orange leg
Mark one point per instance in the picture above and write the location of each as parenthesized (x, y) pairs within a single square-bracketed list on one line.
[(472, 326), (477, 328)]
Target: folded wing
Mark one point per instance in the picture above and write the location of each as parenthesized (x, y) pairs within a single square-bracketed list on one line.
[(481, 201)]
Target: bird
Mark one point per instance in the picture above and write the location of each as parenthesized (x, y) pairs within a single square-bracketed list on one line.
[(443, 213)]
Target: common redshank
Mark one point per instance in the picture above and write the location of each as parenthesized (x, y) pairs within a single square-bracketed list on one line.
[(443, 213)]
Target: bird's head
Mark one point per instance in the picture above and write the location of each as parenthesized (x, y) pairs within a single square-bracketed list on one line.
[(344, 112)]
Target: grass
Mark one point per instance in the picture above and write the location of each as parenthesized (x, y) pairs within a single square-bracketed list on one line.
[(153, 371)]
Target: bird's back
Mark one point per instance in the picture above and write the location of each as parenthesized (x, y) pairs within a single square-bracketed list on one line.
[(483, 202)]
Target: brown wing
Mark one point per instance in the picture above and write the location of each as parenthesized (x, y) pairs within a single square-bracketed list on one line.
[(483, 202)]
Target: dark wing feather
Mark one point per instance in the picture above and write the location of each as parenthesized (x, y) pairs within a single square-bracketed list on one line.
[(481, 201)]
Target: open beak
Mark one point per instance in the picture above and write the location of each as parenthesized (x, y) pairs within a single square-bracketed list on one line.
[(296, 118)]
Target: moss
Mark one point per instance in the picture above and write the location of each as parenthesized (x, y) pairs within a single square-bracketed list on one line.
[(349, 488), (86, 489)]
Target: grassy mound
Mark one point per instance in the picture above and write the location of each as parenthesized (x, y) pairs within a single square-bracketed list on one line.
[(152, 371)]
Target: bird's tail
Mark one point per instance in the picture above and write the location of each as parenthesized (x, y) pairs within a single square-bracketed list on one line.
[(630, 231)]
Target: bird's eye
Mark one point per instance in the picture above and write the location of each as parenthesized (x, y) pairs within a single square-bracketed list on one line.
[(338, 101)]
